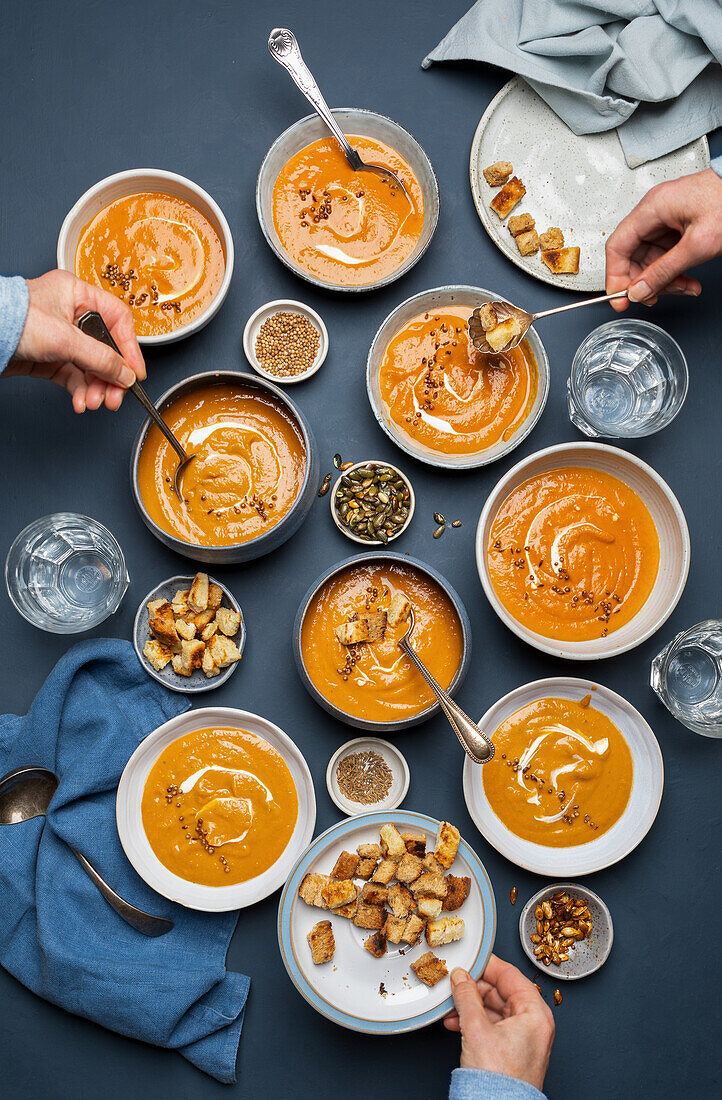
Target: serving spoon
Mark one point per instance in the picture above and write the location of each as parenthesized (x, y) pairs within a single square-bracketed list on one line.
[(92, 324), (473, 741), (284, 48), (26, 793), (505, 310)]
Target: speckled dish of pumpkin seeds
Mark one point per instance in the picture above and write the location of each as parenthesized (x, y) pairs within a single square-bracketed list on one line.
[(372, 503)]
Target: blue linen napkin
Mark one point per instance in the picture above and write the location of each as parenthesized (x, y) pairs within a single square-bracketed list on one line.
[(57, 934), (650, 68)]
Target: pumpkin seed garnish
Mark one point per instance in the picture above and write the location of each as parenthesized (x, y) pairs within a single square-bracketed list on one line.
[(337, 460), (345, 465), (456, 523), (438, 518), (439, 531), (325, 486), (373, 501)]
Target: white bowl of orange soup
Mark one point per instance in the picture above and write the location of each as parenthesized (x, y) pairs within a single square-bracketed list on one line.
[(156, 240), (582, 550), (214, 808)]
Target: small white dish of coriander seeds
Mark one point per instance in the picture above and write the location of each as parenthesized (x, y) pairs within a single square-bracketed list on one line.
[(367, 775), (285, 341)]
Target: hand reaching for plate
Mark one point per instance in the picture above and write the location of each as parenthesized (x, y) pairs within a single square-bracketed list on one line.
[(677, 225), (505, 1025)]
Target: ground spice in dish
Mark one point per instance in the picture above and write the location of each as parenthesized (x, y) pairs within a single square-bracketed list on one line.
[(287, 344), (364, 777)]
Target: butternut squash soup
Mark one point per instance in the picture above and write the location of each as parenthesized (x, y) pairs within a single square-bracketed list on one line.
[(562, 773), (344, 227), (159, 254), (371, 678), (248, 470), (573, 554), (445, 395), (219, 806)]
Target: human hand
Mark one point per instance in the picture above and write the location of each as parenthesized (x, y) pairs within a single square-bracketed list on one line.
[(677, 225), (52, 347), (505, 1025)]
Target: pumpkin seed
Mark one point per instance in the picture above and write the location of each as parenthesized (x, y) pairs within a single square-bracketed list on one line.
[(337, 460), (325, 486), (438, 518), (456, 523), (439, 531), (345, 465)]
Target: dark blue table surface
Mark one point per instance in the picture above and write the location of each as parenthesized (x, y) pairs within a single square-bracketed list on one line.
[(87, 89)]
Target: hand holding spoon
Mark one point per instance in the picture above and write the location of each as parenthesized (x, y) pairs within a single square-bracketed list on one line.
[(505, 310)]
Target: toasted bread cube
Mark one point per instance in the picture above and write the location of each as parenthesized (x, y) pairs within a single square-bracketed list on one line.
[(409, 868), (339, 892), (384, 872), (376, 625), (457, 892), (159, 655), (223, 651), (445, 930), (447, 844), (392, 846), (321, 941), (162, 623), (215, 596), (228, 620), (208, 665), (369, 851), (498, 172), (191, 655), (505, 200), (185, 630), (345, 866), (528, 243), (178, 666), (497, 338), (562, 261), (428, 969), (432, 864), (429, 908), (376, 944), (348, 911), (400, 900), (369, 916), (488, 316), (352, 633), (429, 886), (366, 868), (198, 593), (310, 889), (208, 631), (373, 893), (413, 929), (399, 609), (394, 928), (520, 223), (415, 843), (179, 603), (552, 239), (200, 619)]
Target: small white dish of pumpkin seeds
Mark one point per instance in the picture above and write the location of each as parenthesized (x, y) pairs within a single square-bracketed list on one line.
[(372, 502)]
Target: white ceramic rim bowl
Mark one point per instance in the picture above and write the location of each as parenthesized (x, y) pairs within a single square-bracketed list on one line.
[(672, 531), (369, 124), (640, 811), (441, 297), (260, 315), (593, 951), (210, 899), (347, 530), (129, 182), (396, 762)]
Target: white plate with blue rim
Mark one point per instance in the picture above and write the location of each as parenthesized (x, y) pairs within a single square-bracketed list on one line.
[(379, 996)]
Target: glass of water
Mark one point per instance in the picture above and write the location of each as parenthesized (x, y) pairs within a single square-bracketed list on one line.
[(66, 573), (629, 378), (687, 677)]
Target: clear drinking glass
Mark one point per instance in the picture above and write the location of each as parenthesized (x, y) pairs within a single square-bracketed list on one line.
[(66, 573), (687, 677), (629, 378)]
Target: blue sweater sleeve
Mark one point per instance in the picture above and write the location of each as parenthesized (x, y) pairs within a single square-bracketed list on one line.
[(13, 311), (479, 1084)]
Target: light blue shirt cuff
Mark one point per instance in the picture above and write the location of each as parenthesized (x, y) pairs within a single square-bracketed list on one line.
[(14, 299), (479, 1084)]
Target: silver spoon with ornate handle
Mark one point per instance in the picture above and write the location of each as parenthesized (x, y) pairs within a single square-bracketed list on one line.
[(473, 741), (26, 793), (283, 47), (505, 310), (92, 324)]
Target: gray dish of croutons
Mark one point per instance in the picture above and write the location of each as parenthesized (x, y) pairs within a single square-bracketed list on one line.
[(189, 633)]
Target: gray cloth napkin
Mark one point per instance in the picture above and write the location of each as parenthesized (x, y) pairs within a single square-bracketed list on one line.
[(650, 68)]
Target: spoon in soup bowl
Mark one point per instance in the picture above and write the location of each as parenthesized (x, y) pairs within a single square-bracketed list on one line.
[(515, 322), (474, 741)]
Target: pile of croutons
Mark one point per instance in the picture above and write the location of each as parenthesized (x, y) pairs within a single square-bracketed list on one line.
[(193, 631), (405, 890)]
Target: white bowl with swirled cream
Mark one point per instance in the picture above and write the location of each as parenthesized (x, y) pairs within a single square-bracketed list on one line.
[(669, 521)]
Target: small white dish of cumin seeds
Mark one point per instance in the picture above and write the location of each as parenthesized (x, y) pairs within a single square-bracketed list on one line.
[(367, 775)]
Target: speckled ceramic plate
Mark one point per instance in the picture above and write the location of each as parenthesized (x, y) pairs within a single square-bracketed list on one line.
[(589, 954), (580, 183), (379, 996)]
